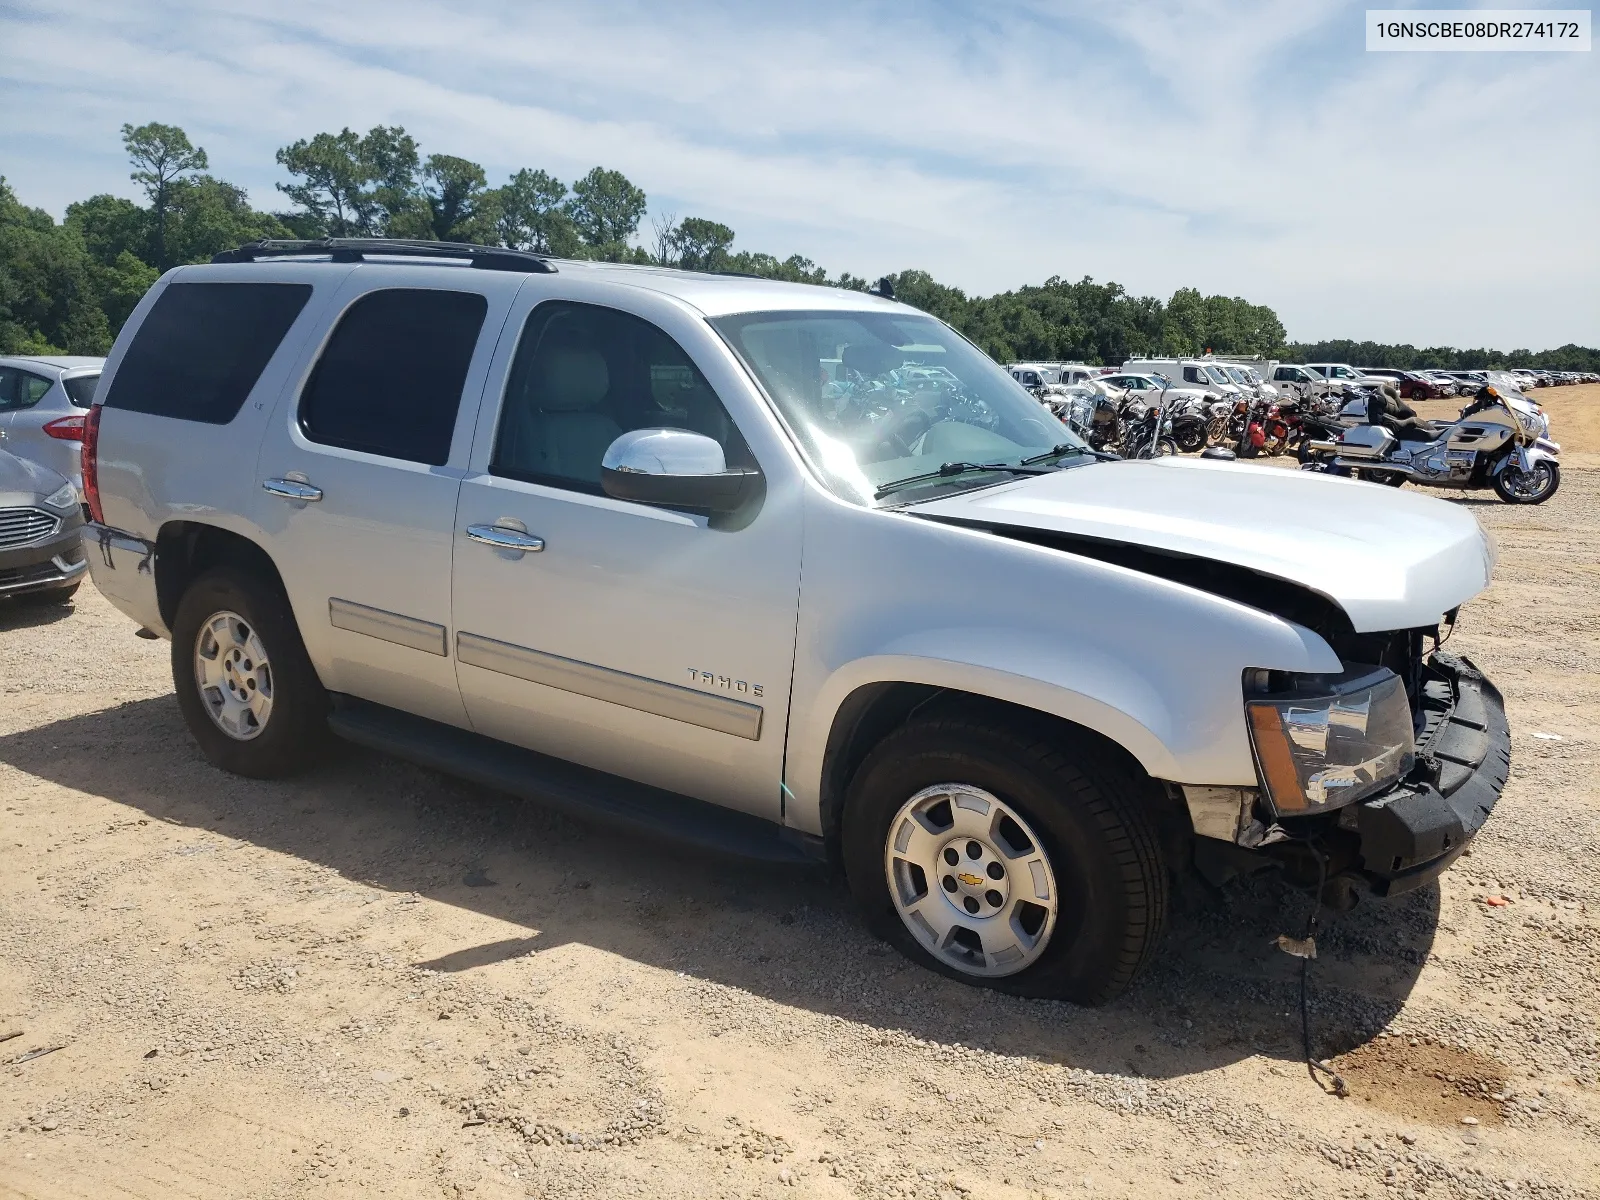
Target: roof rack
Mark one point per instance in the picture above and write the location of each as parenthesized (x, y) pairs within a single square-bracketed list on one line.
[(488, 258)]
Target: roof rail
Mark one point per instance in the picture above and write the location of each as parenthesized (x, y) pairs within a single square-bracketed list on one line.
[(489, 258)]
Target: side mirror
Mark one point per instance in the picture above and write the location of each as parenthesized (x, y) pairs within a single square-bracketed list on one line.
[(675, 468)]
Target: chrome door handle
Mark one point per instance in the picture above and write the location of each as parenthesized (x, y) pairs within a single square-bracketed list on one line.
[(502, 538), (291, 489)]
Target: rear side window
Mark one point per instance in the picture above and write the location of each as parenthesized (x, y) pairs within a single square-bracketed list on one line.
[(80, 389), (390, 379), (202, 348)]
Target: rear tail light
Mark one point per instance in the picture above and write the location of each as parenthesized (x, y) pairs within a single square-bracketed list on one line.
[(91, 476), (66, 429)]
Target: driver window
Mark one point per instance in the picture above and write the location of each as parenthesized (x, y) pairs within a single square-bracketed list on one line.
[(585, 375)]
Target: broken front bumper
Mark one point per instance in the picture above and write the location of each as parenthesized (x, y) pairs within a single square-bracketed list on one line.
[(1411, 833), (1393, 842)]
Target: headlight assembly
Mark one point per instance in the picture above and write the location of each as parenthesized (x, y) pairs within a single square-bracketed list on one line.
[(1328, 742), (65, 496)]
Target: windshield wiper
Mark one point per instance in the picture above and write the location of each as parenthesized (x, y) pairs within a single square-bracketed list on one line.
[(1063, 450), (950, 470)]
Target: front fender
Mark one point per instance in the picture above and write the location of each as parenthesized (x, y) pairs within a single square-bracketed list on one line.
[(1153, 665)]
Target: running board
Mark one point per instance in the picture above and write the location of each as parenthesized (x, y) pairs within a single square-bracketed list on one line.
[(571, 789)]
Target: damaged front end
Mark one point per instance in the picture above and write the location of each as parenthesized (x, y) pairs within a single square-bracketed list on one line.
[(1346, 796)]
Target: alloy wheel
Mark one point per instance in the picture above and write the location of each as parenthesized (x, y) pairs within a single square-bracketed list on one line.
[(970, 880), (234, 676)]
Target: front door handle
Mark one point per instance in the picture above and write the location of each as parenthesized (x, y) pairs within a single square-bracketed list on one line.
[(502, 538), (291, 489)]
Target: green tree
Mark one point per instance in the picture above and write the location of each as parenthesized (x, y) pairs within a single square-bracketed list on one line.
[(161, 156), (531, 216), (355, 186), (111, 226), (606, 210), (461, 207), (209, 215), (701, 245), (48, 299)]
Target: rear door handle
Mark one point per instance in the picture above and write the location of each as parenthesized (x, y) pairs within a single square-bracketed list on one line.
[(502, 538), (292, 489)]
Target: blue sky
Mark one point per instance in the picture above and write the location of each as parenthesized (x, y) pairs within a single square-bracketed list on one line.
[(1252, 149)]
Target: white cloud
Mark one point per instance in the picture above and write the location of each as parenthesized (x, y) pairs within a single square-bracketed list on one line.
[(1247, 148)]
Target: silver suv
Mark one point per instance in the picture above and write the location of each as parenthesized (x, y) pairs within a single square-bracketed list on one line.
[(793, 572)]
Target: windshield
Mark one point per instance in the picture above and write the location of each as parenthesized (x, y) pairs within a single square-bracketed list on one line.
[(80, 389), (1216, 375), (874, 398), (1235, 374)]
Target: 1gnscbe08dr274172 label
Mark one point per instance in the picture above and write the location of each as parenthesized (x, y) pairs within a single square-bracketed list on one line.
[(1478, 29)]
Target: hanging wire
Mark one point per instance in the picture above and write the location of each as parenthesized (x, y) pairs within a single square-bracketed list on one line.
[(1318, 1070)]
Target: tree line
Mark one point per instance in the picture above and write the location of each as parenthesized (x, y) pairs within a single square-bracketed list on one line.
[(68, 287)]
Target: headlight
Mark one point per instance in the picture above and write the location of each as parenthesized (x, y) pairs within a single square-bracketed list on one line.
[(65, 496), (1333, 742)]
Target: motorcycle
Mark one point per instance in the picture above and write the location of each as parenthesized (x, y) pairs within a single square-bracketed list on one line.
[(1501, 441), (1147, 433)]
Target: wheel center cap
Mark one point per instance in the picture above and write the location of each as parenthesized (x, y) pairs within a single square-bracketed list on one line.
[(973, 877)]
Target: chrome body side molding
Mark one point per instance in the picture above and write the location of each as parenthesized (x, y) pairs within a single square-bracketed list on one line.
[(721, 713)]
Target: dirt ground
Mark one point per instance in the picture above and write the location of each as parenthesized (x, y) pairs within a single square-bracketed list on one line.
[(375, 980)]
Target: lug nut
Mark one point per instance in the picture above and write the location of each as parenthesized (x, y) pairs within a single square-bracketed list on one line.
[(994, 898), (974, 850), (949, 883), (951, 857), (970, 905), (995, 871)]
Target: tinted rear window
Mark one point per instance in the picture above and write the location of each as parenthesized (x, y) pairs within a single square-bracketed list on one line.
[(80, 389), (203, 347), (390, 379)]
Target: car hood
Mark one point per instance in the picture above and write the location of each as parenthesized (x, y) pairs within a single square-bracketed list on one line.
[(24, 482), (1390, 559)]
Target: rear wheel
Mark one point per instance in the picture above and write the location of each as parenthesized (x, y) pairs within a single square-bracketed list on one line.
[(245, 686), (1023, 860), (1528, 487), (1189, 435)]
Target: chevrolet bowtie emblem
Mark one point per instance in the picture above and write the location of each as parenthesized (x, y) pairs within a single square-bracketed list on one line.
[(970, 880)]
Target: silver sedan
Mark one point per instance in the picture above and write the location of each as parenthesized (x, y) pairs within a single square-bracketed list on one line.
[(43, 400)]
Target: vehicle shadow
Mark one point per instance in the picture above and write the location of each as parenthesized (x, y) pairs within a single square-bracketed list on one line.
[(17, 614), (1217, 991)]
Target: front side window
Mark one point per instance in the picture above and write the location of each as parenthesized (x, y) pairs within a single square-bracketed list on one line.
[(389, 380), (875, 399), (201, 348), (585, 375)]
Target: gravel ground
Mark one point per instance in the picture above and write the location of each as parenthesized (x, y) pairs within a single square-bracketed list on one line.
[(378, 980)]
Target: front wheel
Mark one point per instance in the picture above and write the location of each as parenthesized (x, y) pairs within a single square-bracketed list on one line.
[(1019, 859), (247, 689), (1528, 487)]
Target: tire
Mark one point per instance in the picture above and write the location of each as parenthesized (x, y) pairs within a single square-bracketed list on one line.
[(42, 599), (1392, 479), (1078, 810), (1164, 447), (1512, 493), (1190, 436), (239, 610)]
